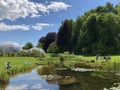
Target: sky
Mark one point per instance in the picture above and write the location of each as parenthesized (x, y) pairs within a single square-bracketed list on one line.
[(23, 21)]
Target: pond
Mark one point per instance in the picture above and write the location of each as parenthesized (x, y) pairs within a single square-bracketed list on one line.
[(86, 80), (29, 81)]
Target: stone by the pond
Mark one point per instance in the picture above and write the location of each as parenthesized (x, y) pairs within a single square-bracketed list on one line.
[(82, 69), (68, 81), (116, 87), (117, 74), (61, 69), (51, 77)]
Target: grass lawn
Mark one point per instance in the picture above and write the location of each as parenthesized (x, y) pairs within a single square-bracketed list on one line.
[(70, 60), (15, 61), (18, 64)]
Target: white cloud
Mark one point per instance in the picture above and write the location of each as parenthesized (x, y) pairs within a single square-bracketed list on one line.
[(40, 26), (5, 27), (13, 9), (21, 87), (36, 87), (35, 15), (37, 26), (56, 6)]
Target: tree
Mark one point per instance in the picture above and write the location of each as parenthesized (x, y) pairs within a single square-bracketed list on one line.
[(99, 33), (42, 41), (28, 46), (110, 8), (76, 32), (88, 35), (50, 37), (109, 24), (39, 45), (53, 48), (64, 36), (47, 40)]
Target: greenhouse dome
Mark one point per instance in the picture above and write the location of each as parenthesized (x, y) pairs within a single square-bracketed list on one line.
[(38, 49), (10, 47)]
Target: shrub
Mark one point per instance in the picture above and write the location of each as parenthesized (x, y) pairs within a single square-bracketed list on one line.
[(46, 70)]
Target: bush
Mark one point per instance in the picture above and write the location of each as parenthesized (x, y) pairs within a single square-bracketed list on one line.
[(82, 65), (46, 70), (53, 48)]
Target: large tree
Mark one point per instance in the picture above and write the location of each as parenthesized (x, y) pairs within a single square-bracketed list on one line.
[(53, 48), (97, 31), (109, 30), (99, 34), (64, 36), (77, 26), (48, 39)]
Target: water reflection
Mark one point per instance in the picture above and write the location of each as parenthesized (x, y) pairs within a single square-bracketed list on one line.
[(30, 81), (86, 81), (89, 80)]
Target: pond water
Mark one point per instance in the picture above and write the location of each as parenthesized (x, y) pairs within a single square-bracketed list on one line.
[(88, 80), (30, 81)]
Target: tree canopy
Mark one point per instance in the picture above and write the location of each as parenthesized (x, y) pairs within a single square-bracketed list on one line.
[(97, 31), (28, 46), (47, 40)]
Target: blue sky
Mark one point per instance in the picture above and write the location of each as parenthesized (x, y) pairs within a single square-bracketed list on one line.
[(23, 21)]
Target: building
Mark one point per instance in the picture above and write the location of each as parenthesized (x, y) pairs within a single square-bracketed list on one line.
[(10, 47)]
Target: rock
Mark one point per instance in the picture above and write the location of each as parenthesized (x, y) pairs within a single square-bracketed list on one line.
[(118, 74), (51, 77), (61, 69), (82, 69), (68, 81)]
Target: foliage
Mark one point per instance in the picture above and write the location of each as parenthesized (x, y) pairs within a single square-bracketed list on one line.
[(41, 40), (28, 46), (39, 45), (46, 70), (64, 36), (97, 31), (53, 48), (48, 39)]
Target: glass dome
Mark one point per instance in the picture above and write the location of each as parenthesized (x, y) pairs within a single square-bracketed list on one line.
[(10, 47), (38, 49)]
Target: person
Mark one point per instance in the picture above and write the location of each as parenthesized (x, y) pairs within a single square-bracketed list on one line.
[(8, 65)]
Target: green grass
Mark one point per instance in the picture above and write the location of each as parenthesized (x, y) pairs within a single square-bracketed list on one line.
[(70, 60), (15, 61), (18, 65)]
